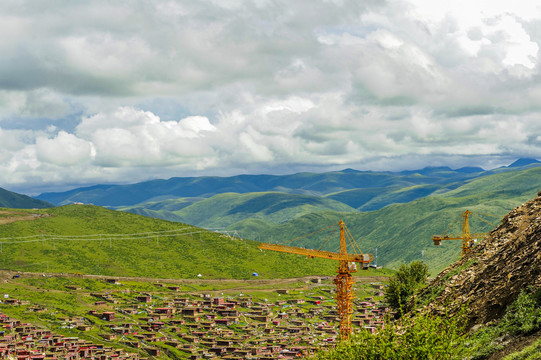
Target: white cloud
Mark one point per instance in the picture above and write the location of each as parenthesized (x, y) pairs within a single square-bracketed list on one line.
[(105, 91), (130, 137), (63, 150), (14, 140), (193, 126)]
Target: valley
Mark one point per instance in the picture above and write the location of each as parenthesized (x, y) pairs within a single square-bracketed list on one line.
[(269, 180), (88, 281), (394, 214)]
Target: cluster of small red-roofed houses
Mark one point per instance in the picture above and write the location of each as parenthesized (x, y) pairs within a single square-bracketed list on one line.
[(206, 327), (23, 341), (238, 327)]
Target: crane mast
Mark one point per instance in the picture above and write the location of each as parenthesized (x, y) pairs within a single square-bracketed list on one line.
[(344, 280), (344, 287)]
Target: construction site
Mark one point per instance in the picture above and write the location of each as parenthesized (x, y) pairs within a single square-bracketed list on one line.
[(151, 318)]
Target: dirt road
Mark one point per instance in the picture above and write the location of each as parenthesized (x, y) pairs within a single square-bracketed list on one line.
[(8, 274)]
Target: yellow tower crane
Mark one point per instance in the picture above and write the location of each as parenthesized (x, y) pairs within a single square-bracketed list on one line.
[(466, 237), (346, 266)]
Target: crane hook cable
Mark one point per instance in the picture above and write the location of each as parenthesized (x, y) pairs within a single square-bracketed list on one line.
[(484, 219), (356, 248)]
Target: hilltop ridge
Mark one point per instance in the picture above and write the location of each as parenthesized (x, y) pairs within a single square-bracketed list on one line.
[(524, 162), (13, 200)]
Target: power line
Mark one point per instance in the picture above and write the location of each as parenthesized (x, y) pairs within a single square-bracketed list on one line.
[(96, 237)]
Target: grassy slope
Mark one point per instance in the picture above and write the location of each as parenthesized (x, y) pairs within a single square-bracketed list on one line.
[(376, 198), (183, 256), (225, 209), (402, 231)]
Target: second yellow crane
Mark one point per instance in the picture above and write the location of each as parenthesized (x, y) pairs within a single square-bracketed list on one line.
[(468, 239)]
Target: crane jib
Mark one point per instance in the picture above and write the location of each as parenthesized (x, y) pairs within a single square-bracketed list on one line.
[(359, 258)]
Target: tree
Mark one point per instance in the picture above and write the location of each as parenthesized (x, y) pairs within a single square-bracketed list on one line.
[(403, 285)]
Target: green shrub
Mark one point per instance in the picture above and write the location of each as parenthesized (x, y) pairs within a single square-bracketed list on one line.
[(421, 337), (404, 283), (522, 317)]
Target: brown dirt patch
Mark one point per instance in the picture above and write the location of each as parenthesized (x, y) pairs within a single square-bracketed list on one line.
[(7, 217)]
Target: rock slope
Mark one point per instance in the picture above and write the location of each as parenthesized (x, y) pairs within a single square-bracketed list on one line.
[(491, 276)]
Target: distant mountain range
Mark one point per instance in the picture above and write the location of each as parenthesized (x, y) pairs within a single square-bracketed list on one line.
[(391, 213), (222, 201), (315, 184)]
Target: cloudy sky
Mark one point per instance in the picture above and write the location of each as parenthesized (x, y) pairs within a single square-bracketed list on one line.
[(125, 91)]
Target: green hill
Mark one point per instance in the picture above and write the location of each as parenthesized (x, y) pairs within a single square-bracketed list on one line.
[(401, 232), (13, 200), (394, 214), (225, 209), (369, 199), (95, 240)]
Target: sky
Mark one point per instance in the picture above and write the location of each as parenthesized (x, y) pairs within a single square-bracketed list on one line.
[(104, 91)]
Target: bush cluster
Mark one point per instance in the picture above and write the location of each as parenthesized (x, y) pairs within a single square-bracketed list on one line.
[(522, 317), (403, 285), (421, 337)]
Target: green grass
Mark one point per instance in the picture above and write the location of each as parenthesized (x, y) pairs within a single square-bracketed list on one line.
[(192, 251), (402, 232)]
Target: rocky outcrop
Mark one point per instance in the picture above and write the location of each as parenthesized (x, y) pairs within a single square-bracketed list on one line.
[(491, 276)]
